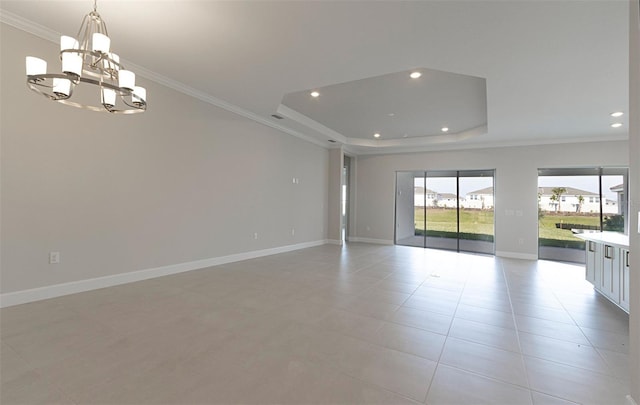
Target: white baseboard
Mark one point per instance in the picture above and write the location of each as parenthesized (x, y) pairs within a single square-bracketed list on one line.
[(58, 290), (370, 240), (515, 255), (334, 242), (631, 401)]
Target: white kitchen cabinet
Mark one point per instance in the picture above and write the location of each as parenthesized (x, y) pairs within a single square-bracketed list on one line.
[(607, 265)]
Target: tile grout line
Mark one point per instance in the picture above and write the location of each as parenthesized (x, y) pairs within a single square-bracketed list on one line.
[(435, 370), (515, 323)]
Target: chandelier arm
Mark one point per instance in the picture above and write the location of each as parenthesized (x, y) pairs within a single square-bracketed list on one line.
[(38, 82), (84, 38), (142, 105)]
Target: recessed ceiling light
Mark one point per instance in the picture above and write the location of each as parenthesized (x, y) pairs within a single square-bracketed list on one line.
[(391, 114), (445, 129), (617, 114), (616, 125), (415, 75), (315, 94), (376, 135)]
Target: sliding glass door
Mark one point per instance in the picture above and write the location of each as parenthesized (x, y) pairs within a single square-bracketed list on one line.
[(450, 210), (477, 213), (441, 221)]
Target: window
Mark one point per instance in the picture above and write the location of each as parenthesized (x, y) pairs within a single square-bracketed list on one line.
[(596, 202)]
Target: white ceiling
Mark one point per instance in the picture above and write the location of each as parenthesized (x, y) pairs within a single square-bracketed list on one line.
[(554, 70), (394, 105)]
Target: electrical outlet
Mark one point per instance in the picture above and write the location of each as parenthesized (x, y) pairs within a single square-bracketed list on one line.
[(520, 241), (293, 231), (54, 257), (255, 235)]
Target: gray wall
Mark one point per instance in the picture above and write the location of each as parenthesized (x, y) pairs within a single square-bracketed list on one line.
[(182, 182), (405, 212), (515, 185)]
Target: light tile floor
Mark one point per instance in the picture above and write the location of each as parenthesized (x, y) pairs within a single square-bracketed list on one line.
[(354, 324)]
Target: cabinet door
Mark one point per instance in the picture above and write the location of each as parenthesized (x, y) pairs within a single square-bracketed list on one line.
[(624, 279), (610, 283), (597, 265), (592, 259)]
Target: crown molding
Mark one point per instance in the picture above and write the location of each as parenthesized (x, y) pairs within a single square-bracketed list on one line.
[(29, 26), (312, 124), (48, 34)]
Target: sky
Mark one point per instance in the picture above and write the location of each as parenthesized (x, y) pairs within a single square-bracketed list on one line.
[(587, 183), (448, 184), (468, 184)]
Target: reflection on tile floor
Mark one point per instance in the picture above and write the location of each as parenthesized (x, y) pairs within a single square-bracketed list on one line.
[(354, 324)]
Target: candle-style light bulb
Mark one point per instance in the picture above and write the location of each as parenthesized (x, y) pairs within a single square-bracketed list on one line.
[(61, 87), (139, 95), (100, 43), (72, 63), (108, 97), (35, 66), (127, 79)]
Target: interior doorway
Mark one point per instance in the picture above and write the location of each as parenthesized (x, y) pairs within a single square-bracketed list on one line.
[(344, 198)]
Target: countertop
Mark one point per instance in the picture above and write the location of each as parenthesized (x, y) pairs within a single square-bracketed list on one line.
[(610, 238)]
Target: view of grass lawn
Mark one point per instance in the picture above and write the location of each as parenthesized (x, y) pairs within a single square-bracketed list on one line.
[(548, 230), (474, 224), (478, 224), (550, 235)]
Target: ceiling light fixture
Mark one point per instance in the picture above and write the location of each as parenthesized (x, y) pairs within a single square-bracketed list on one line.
[(617, 114), (376, 135), (315, 94), (616, 125), (445, 129), (88, 60), (415, 75)]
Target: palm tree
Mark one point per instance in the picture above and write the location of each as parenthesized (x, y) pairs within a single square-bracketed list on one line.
[(556, 194), (580, 202)]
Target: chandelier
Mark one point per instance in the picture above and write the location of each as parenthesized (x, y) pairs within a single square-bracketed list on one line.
[(88, 60)]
